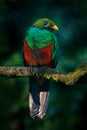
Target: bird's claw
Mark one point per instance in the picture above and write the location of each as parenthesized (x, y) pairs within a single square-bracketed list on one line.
[(31, 70)]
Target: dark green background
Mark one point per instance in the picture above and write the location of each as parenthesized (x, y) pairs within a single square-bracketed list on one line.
[(67, 104)]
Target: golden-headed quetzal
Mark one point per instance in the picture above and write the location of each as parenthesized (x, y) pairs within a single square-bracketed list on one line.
[(40, 50)]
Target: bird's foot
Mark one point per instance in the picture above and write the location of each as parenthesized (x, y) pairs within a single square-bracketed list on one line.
[(31, 70)]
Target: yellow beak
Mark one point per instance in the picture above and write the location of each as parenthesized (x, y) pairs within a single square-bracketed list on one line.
[(55, 27)]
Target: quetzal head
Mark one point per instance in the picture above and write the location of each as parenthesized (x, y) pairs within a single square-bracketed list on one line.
[(45, 23)]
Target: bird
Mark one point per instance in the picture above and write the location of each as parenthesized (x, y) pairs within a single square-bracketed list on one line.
[(39, 49)]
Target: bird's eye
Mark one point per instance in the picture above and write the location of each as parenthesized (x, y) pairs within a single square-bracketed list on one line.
[(45, 23)]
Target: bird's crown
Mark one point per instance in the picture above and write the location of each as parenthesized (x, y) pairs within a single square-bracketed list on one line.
[(45, 23)]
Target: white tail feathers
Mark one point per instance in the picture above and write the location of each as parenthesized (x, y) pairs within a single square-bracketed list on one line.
[(38, 104)]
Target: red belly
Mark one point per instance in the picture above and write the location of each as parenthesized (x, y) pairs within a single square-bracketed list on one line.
[(37, 56)]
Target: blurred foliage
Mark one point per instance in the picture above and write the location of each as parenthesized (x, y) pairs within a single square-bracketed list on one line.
[(67, 106)]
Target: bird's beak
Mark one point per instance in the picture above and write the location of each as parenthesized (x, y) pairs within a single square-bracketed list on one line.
[(55, 27)]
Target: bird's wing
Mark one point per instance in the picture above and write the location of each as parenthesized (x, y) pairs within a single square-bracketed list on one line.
[(54, 52)]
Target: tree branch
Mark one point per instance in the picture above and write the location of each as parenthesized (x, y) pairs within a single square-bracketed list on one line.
[(49, 73)]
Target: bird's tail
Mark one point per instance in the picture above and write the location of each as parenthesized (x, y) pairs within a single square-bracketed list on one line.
[(38, 97)]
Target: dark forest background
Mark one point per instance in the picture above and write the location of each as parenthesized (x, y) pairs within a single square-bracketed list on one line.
[(67, 104)]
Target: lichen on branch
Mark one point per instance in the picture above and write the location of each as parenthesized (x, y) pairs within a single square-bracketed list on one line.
[(46, 72)]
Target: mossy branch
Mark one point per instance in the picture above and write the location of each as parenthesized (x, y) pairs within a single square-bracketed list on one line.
[(49, 73)]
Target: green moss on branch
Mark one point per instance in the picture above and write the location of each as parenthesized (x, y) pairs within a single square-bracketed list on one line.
[(49, 73)]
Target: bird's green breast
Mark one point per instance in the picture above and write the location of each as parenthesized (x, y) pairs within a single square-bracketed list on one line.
[(39, 38)]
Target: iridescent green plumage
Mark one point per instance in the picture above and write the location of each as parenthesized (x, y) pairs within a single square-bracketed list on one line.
[(41, 38), (40, 49)]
